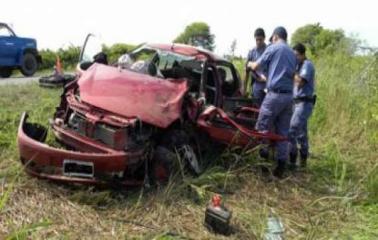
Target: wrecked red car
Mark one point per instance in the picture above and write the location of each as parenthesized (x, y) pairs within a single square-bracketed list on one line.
[(131, 122)]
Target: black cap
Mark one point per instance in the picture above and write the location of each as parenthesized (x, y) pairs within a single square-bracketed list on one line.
[(280, 32), (259, 32)]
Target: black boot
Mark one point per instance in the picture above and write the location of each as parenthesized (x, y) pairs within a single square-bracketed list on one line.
[(280, 169), (293, 160), (303, 162), (264, 153)]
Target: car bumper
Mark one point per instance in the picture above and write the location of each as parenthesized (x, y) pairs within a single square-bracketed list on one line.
[(47, 162)]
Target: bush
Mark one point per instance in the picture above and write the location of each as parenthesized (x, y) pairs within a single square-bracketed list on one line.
[(48, 58), (69, 57)]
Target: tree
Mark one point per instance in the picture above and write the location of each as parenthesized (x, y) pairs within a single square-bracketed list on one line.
[(329, 40), (230, 55), (307, 35), (233, 48), (197, 34), (320, 40)]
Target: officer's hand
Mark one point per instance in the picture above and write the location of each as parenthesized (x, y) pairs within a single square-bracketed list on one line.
[(262, 78), (252, 65), (247, 67), (301, 83), (298, 81)]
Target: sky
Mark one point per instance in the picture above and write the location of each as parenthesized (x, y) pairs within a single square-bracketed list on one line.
[(58, 24)]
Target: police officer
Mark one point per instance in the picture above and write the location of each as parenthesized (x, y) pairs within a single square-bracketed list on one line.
[(304, 100), (258, 77), (276, 109)]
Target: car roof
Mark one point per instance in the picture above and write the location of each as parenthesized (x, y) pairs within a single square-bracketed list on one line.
[(187, 50)]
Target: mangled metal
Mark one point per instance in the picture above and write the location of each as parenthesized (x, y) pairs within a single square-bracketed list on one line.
[(130, 94), (127, 123)]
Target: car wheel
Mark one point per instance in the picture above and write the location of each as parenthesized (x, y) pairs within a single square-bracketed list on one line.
[(5, 72), (164, 165), (174, 156), (29, 64)]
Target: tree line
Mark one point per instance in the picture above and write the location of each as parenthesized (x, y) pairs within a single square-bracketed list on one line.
[(318, 40)]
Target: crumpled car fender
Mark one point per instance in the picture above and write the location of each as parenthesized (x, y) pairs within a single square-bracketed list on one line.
[(234, 134), (43, 161)]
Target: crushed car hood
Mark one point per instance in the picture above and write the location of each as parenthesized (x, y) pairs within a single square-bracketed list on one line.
[(129, 94)]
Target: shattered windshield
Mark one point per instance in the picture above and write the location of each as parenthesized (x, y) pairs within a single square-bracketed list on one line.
[(162, 64)]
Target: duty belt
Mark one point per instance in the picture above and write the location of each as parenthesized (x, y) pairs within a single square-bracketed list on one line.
[(305, 99), (280, 91)]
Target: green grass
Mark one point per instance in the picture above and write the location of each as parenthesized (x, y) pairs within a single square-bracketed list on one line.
[(336, 198)]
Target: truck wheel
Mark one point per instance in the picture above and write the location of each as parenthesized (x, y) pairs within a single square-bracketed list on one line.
[(5, 72), (29, 64)]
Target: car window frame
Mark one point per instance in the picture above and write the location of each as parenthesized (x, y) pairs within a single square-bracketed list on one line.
[(235, 75), (10, 31)]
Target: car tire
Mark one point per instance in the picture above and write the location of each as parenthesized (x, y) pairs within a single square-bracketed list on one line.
[(164, 165), (172, 157), (29, 64), (5, 72)]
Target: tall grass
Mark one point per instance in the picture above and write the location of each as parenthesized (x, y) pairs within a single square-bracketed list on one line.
[(344, 134), (343, 126)]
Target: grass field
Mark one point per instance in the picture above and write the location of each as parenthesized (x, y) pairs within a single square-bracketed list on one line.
[(336, 198)]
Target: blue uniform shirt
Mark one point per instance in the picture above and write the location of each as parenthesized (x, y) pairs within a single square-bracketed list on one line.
[(307, 73), (253, 55), (280, 61)]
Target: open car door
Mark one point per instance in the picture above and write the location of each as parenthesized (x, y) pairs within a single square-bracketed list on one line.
[(233, 121), (91, 52)]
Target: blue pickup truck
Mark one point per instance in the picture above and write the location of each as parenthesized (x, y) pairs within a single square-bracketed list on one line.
[(17, 53)]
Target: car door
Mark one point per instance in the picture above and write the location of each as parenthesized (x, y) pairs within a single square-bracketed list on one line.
[(238, 107), (8, 46), (91, 47), (234, 114), (230, 87)]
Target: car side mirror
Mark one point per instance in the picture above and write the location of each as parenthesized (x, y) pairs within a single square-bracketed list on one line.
[(85, 65)]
